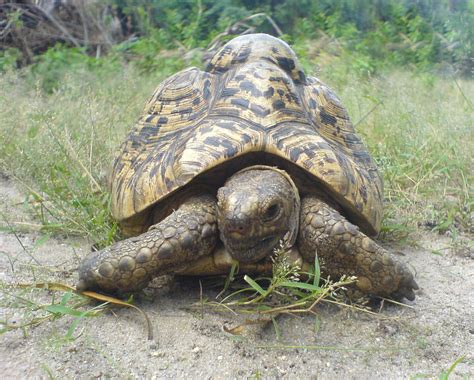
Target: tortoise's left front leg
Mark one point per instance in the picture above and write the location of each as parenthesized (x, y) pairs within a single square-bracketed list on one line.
[(178, 240), (343, 250)]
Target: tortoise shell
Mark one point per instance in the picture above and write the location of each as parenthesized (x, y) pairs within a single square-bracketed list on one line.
[(252, 105)]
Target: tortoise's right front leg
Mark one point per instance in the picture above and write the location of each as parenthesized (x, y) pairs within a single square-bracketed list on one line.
[(182, 237)]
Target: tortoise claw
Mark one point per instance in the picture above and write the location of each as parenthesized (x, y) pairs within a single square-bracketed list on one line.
[(81, 286), (409, 294), (414, 285), (406, 290), (408, 286)]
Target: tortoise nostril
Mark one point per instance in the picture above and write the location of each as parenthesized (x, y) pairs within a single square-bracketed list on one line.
[(237, 226), (238, 229)]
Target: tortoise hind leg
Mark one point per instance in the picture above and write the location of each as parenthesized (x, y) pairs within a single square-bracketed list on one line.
[(182, 237), (343, 250)]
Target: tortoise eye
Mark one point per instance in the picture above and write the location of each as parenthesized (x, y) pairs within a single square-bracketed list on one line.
[(272, 212)]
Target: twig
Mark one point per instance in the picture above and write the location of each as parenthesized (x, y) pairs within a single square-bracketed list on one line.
[(27, 251), (270, 20), (84, 24), (233, 29), (58, 25), (368, 113), (357, 308), (400, 303), (10, 260), (5, 30), (201, 299), (462, 92)]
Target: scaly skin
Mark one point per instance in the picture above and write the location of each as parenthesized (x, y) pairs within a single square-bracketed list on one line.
[(183, 237), (186, 240), (343, 250)]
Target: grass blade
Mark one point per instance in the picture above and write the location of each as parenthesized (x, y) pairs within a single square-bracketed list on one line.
[(317, 272), (300, 285), (277, 329), (75, 323), (62, 310), (254, 285), (115, 301)]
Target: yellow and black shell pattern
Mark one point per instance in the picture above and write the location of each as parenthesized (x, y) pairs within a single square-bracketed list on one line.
[(253, 97)]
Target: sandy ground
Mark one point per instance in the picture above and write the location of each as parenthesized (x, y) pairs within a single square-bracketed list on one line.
[(401, 342)]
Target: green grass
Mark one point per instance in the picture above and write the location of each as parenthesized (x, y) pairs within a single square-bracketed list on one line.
[(26, 303), (420, 131), (59, 145), (444, 374), (290, 289)]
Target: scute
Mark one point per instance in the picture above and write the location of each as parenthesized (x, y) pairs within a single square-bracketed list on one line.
[(253, 97), (143, 172), (255, 47)]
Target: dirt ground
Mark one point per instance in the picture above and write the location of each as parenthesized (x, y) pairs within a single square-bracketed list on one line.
[(421, 340)]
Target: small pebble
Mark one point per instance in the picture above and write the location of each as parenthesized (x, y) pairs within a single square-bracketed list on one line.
[(157, 354)]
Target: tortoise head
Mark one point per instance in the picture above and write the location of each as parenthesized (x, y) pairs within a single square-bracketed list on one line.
[(257, 207)]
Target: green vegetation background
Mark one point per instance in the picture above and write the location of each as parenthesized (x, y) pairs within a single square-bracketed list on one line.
[(402, 68), (373, 35)]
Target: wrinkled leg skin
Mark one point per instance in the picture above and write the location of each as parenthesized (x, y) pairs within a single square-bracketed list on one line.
[(343, 250), (184, 236)]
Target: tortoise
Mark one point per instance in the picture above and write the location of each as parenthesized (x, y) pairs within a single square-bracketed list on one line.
[(226, 163)]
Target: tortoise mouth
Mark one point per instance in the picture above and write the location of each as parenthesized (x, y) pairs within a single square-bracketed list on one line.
[(252, 251)]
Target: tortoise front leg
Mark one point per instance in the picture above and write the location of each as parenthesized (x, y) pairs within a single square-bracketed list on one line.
[(182, 237), (343, 250)]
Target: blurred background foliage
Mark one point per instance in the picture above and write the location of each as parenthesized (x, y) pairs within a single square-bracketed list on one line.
[(54, 37)]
